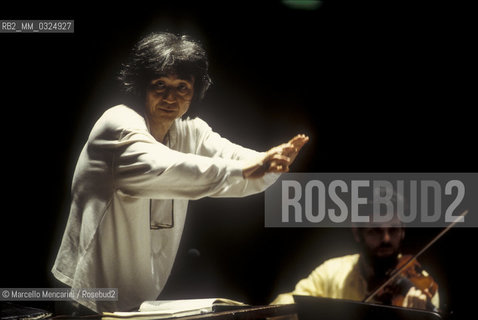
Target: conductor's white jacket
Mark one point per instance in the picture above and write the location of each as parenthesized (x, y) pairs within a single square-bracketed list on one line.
[(123, 184)]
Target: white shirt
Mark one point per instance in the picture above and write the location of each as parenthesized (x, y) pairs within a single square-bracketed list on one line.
[(124, 182)]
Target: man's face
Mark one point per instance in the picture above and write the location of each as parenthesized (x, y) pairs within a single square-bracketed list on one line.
[(381, 242), (168, 97)]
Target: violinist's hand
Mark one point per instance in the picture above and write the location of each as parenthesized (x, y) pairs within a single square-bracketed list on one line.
[(277, 159), (415, 298)]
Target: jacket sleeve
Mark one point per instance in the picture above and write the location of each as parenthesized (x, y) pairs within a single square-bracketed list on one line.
[(143, 167), (211, 144)]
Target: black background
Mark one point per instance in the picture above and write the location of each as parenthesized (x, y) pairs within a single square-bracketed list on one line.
[(378, 86)]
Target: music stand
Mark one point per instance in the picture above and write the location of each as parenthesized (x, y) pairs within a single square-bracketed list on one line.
[(318, 308)]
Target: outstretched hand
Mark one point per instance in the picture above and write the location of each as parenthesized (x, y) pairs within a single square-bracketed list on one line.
[(277, 159)]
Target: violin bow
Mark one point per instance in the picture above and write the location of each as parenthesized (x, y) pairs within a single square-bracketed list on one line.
[(398, 271)]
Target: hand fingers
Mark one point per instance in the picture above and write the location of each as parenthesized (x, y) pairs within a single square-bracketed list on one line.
[(415, 298), (278, 169), (427, 293), (287, 149), (282, 150), (293, 146), (299, 140), (280, 159), (279, 163)]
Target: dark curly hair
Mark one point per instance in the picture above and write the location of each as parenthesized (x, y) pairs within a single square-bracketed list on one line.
[(164, 53)]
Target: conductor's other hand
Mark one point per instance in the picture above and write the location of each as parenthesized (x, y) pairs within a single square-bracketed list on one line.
[(277, 159)]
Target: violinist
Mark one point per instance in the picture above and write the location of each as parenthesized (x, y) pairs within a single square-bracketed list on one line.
[(356, 276)]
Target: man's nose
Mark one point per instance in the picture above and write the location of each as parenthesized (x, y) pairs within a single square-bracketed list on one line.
[(169, 96), (386, 236)]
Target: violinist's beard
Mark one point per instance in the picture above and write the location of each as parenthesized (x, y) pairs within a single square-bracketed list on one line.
[(381, 265)]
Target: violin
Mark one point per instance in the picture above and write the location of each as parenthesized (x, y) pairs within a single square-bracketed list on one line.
[(409, 273), (412, 275)]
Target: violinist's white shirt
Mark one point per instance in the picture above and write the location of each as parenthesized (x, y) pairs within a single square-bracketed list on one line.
[(337, 278)]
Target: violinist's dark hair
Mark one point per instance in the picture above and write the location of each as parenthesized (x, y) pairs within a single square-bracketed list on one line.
[(160, 54)]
